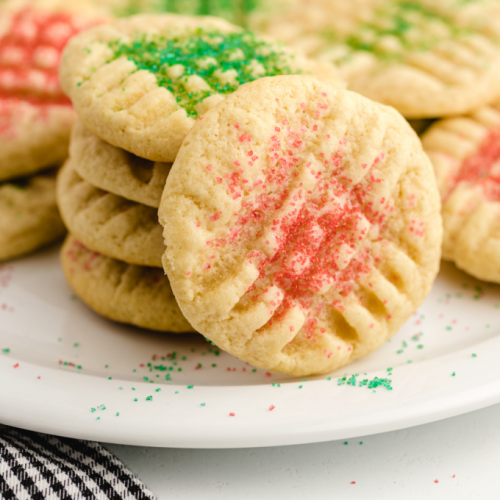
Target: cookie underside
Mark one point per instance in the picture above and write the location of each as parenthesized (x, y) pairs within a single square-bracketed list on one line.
[(116, 170), (107, 223), (135, 295)]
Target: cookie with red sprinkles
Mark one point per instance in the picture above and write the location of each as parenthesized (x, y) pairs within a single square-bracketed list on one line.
[(35, 116), (465, 153), (302, 225), (122, 292), (142, 82)]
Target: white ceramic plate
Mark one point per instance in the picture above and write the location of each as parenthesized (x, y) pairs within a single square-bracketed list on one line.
[(59, 361)]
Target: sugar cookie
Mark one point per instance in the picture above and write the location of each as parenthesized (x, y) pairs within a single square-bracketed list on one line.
[(136, 295), (465, 153), (141, 83), (29, 218), (427, 58), (116, 170), (107, 223), (35, 116), (302, 225)]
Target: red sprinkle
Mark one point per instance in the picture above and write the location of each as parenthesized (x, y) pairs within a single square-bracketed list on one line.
[(477, 169)]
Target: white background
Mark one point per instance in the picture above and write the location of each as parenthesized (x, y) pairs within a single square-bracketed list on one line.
[(400, 465)]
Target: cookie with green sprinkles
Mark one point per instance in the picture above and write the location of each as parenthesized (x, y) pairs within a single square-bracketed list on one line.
[(465, 153), (29, 218), (107, 223), (116, 170), (135, 295), (426, 58), (141, 83)]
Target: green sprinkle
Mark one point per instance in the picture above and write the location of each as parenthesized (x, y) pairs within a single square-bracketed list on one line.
[(135, 399), (149, 398), (6, 351), (120, 388), (98, 418), (453, 374), (202, 404), (389, 369), (474, 355), (158, 390), (176, 392), (420, 346), (110, 378), (102, 407), (361, 442), (346, 442), (370, 384), (300, 387), (179, 369), (329, 378), (214, 365), (224, 61), (76, 344), (92, 410), (190, 386), (117, 414), (254, 370)]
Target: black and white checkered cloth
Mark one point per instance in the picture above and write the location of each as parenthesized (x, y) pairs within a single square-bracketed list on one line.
[(37, 466)]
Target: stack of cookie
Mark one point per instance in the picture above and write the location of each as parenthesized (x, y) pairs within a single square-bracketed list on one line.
[(112, 259), (138, 86), (35, 121)]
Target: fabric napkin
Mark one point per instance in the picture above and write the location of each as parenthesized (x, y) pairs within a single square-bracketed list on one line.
[(36, 466)]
